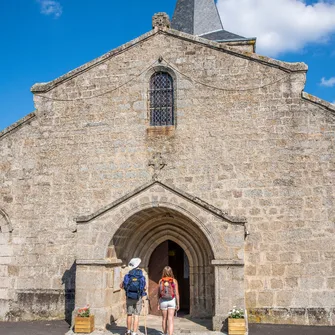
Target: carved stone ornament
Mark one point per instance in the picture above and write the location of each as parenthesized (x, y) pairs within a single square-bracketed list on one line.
[(161, 21), (157, 162)]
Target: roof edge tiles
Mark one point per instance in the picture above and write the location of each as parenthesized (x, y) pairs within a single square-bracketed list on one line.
[(315, 100), (17, 125)]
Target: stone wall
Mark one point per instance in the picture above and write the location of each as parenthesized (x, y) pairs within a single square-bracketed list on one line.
[(293, 227), (244, 141), (39, 261), (6, 253)]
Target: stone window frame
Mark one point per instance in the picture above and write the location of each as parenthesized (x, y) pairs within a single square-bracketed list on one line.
[(165, 129), (161, 93)]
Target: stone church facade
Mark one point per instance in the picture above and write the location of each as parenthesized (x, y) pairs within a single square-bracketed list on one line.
[(183, 142)]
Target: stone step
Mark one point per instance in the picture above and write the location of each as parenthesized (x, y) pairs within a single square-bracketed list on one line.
[(182, 326)]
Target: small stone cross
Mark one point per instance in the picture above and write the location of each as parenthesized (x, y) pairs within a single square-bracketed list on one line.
[(158, 163)]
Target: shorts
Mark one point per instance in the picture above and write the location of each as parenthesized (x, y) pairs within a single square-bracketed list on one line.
[(167, 304), (134, 307)]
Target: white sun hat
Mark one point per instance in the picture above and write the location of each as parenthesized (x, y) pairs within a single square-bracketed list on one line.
[(134, 263)]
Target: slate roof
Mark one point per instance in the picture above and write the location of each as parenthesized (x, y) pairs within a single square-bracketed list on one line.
[(201, 18), (222, 35), (196, 17), (183, 16)]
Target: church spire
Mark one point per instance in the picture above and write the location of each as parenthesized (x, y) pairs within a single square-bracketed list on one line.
[(196, 17)]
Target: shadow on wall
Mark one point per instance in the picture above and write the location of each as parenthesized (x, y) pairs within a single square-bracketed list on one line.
[(69, 280)]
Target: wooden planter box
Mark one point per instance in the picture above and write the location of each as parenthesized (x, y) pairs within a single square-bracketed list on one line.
[(84, 325), (236, 326)]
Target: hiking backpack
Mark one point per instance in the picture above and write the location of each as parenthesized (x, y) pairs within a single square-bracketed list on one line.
[(167, 288), (134, 284)]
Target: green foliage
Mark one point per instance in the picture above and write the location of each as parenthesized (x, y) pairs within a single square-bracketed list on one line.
[(236, 313)]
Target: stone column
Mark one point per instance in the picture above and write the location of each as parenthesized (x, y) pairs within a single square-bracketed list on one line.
[(200, 292), (229, 290), (97, 284)]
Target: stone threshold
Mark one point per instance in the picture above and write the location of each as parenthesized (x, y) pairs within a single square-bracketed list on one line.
[(153, 332)]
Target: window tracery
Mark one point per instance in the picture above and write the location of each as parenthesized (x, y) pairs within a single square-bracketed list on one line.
[(161, 99)]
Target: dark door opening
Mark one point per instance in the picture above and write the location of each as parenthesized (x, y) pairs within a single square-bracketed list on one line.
[(171, 254)]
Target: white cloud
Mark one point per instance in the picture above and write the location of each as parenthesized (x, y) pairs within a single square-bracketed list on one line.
[(279, 25), (51, 7), (328, 82)]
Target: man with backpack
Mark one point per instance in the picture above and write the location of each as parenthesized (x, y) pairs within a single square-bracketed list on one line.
[(134, 285)]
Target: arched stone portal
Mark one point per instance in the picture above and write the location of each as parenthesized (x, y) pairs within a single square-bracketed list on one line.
[(135, 225), (142, 233)]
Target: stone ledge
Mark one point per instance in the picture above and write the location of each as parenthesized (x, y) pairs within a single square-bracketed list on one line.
[(116, 262), (237, 42), (294, 316), (225, 262), (161, 130)]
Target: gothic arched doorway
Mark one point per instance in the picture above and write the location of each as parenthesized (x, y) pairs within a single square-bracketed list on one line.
[(135, 225), (151, 234), (170, 254)]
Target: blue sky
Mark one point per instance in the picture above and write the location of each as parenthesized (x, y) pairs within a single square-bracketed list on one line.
[(43, 39)]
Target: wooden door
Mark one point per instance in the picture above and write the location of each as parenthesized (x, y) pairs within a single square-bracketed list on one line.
[(159, 259), (179, 264), (171, 254)]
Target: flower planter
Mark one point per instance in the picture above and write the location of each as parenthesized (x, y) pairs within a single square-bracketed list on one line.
[(236, 326), (84, 324)]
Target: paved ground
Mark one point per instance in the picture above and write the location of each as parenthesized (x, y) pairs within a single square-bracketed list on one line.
[(61, 327), (34, 328)]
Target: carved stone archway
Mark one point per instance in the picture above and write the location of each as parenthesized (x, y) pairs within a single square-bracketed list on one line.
[(135, 225), (143, 232)]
